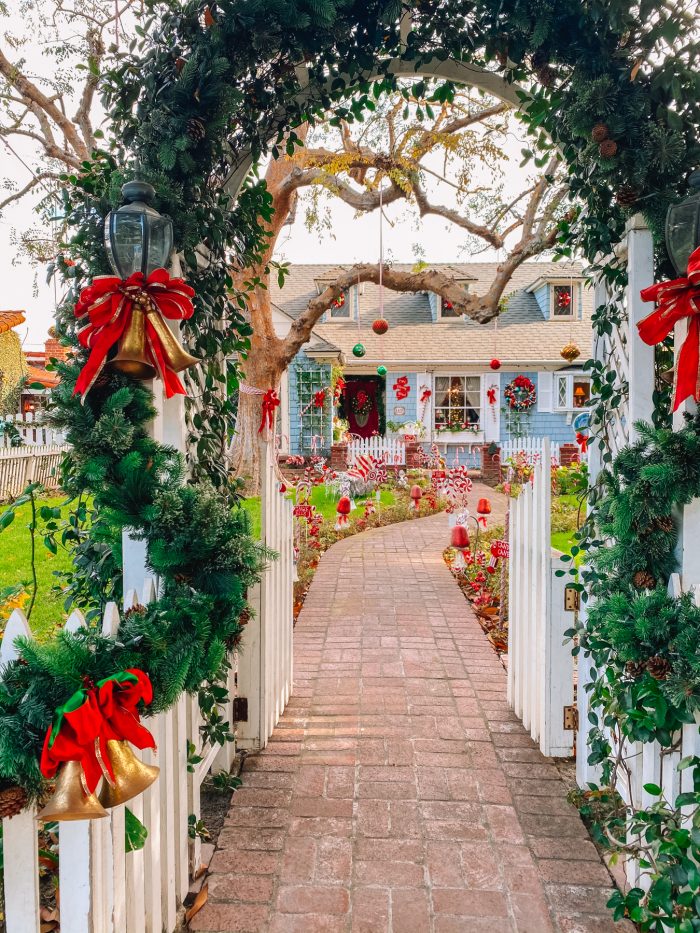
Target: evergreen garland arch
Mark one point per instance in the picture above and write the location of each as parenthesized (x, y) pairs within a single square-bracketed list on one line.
[(209, 88)]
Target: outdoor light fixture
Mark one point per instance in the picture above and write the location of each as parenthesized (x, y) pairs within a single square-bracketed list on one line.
[(137, 237), (683, 226)]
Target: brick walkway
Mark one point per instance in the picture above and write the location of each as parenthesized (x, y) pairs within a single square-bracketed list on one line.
[(399, 793)]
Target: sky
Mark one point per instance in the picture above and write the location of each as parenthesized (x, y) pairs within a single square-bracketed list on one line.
[(350, 239)]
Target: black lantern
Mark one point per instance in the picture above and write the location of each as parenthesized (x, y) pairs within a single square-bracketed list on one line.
[(137, 237), (683, 226)]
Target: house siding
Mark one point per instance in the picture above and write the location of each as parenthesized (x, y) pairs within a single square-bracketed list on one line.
[(302, 363), (538, 423)]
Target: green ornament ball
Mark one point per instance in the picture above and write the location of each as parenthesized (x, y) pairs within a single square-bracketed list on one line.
[(358, 350), (381, 370)]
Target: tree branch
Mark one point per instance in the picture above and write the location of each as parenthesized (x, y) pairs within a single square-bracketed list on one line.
[(36, 180)]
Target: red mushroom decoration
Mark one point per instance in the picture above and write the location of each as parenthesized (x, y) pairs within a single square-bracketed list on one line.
[(495, 364), (460, 537), (416, 495), (343, 510), (380, 326), (484, 507)]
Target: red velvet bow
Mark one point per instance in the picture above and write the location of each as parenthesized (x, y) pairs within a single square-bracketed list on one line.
[(582, 441), (108, 304), (270, 401), (90, 718), (491, 395), (676, 300), (425, 395), (319, 398)]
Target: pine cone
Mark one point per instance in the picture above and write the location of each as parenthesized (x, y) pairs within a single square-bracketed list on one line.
[(635, 669), (136, 610), (608, 148), (643, 580), (546, 75), (627, 196), (12, 801), (600, 132), (665, 523), (196, 129), (659, 668)]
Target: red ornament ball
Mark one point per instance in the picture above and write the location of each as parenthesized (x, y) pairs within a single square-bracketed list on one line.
[(495, 364), (380, 326)]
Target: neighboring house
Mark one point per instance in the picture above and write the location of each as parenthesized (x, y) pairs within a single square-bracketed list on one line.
[(40, 381), (13, 365), (428, 347)]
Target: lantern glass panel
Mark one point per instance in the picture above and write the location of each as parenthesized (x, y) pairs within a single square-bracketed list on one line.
[(682, 231), (138, 239)]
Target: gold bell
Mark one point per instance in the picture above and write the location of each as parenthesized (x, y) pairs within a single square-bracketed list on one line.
[(176, 356), (70, 800), (131, 356), (131, 775)]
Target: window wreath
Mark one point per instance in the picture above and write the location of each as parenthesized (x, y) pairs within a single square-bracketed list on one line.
[(520, 394)]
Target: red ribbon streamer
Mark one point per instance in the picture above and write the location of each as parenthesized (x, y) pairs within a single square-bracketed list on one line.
[(102, 712), (270, 401), (675, 300), (108, 304)]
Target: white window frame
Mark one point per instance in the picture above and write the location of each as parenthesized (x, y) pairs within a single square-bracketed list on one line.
[(575, 299), (570, 379), (454, 437)]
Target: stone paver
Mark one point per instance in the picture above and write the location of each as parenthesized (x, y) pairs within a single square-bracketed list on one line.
[(399, 792)]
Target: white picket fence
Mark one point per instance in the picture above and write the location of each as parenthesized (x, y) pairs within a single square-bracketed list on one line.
[(527, 447), (22, 465), (392, 450), (540, 666), (102, 888), (265, 656), (31, 430)]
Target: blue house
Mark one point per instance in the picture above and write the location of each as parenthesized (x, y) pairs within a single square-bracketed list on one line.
[(435, 373)]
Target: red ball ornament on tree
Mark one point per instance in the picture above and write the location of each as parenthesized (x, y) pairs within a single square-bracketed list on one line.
[(495, 364), (416, 495), (460, 537), (380, 326)]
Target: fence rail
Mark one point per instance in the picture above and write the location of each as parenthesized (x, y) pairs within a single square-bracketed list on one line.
[(22, 465), (391, 450), (540, 666)]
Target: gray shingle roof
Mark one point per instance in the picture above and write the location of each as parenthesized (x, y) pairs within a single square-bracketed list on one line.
[(523, 334)]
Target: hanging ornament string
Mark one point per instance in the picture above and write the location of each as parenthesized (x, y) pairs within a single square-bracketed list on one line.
[(381, 251)]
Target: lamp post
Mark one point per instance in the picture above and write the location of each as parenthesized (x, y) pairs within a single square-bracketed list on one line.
[(137, 237), (683, 226)]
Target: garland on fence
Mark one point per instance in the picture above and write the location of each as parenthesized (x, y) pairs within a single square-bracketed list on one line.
[(645, 646)]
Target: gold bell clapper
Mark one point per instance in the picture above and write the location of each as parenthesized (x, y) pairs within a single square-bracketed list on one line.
[(131, 775), (131, 358), (71, 799)]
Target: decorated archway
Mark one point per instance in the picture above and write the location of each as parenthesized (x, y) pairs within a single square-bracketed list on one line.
[(204, 94)]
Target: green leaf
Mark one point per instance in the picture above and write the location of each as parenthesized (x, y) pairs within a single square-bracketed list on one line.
[(135, 833), (653, 789)]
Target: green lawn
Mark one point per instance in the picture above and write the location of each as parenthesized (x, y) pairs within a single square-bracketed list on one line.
[(326, 505), (15, 567)]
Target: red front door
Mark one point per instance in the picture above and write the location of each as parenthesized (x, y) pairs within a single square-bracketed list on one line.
[(361, 406)]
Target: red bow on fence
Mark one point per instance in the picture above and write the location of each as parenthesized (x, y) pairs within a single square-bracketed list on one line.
[(90, 718), (582, 441), (676, 300), (270, 401), (109, 304)]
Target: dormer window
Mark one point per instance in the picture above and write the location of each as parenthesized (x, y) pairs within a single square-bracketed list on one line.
[(561, 301), (340, 308)]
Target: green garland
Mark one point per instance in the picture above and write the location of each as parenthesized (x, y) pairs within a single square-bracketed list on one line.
[(645, 646)]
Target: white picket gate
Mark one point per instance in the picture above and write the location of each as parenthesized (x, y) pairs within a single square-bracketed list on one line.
[(20, 466), (265, 655), (540, 665), (529, 448), (31, 429), (392, 450)]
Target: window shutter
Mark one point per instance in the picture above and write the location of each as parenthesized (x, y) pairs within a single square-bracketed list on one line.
[(545, 382)]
